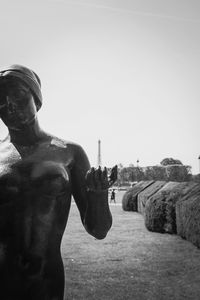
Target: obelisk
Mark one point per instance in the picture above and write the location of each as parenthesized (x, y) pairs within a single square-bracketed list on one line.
[(99, 154)]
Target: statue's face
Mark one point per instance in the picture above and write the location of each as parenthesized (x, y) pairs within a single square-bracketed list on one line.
[(17, 106)]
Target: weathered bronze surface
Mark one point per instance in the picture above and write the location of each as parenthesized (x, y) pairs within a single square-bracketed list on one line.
[(38, 175)]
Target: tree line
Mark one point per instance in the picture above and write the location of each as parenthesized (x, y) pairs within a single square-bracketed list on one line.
[(169, 169)]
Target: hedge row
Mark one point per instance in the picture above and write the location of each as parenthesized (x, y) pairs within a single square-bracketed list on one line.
[(167, 207), (129, 200), (147, 193), (160, 213), (188, 216)]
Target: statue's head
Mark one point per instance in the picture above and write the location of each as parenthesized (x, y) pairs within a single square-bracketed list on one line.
[(18, 73), (20, 96)]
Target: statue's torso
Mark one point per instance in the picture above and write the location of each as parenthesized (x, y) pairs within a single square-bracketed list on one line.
[(44, 211)]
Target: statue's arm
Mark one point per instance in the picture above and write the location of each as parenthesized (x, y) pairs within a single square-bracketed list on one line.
[(90, 192)]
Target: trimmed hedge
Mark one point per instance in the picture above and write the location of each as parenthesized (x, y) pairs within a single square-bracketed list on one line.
[(147, 193), (159, 213), (129, 200), (188, 216)]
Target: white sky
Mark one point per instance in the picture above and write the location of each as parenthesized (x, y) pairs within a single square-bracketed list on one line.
[(123, 71)]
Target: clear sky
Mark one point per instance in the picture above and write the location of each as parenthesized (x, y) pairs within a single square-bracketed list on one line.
[(126, 72)]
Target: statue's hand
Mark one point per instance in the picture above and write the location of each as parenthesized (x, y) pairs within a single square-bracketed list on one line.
[(98, 180), (113, 176)]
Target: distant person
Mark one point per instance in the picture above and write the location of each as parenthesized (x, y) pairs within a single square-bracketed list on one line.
[(39, 173), (112, 196)]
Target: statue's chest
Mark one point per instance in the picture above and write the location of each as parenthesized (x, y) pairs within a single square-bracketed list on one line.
[(9, 154)]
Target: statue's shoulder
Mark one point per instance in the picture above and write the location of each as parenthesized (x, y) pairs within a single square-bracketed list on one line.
[(66, 144)]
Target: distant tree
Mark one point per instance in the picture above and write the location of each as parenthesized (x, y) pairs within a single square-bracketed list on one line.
[(170, 161), (159, 173), (130, 174), (148, 173), (119, 175), (123, 176), (137, 174), (178, 172), (155, 173), (175, 170)]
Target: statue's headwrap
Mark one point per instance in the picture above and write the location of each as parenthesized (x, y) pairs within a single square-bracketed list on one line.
[(29, 77)]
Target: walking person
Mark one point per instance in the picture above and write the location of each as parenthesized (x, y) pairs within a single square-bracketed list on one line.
[(112, 196)]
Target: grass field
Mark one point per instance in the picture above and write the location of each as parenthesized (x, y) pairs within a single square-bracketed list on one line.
[(130, 263)]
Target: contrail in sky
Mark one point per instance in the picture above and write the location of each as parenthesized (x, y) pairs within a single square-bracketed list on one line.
[(129, 11)]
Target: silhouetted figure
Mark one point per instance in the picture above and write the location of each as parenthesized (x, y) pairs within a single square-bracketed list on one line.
[(38, 175), (112, 196)]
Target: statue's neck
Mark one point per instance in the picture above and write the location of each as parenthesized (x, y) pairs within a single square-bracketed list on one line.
[(28, 135)]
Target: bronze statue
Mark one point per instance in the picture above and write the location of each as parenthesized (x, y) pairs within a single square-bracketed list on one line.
[(38, 175)]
